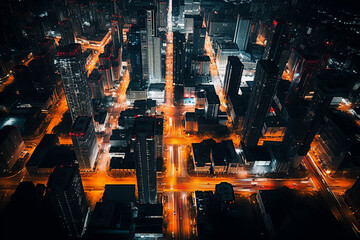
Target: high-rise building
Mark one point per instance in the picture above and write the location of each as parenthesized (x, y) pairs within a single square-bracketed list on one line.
[(116, 31), (233, 73), (224, 50), (135, 53), (96, 85), (144, 149), (11, 145), (85, 144), (301, 83), (155, 62), (275, 45), (115, 70), (67, 33), (161, 14), (178, 58), (153, 47), (23, 80), (265, 82), (242, 32), (66, 194), (158, 137), (105, 71), (329, 84), (199, 40), (73, 75), (144, 54)]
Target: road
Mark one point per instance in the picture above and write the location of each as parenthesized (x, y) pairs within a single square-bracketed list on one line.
[(336, 204)]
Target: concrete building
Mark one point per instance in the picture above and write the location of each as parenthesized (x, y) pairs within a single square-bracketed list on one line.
[(85, 144)]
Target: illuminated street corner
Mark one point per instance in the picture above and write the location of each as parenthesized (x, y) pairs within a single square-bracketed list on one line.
[(179, 119)]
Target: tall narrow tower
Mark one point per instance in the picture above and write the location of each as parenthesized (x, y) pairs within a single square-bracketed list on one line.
[(265, 83), (144, 148), (73, 75)]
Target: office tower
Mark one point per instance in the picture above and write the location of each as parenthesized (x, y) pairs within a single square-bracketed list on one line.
[(153, 49), (67, 33), (225, 49), (11, 145), (135, 53), (144, 150), (115, 70), (178, 58), (85, 144), (276, 42), (24, 81), (66, 194), (158, 137), (116, 32), (233, 73), (73, 75), (242, 32), (96, 85), (191, 22), (330, 84), (161, 14), (200, 65), (75, 17), (265, 83), (212, 103), (301, 132), (150, 33), (105, 71), (199, 40), (144, 54), (302, 83), (155, 62)]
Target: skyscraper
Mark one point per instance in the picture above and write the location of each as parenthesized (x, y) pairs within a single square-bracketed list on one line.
[(144, 54), (85, 144), (275, 45), (199, 40), (135, 53), (73, 75), (155, 70), (329, 84), (158, 137), (66, 194), (116, 31), (233, 73), (242, 32), (265, 83), (144, 149), (96, 85), (178, 58), (67, 33), (301, 82), (107, 82), (161, 14), (153, 46)]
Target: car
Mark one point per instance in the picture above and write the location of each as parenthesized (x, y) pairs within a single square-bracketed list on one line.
[(174, 213)]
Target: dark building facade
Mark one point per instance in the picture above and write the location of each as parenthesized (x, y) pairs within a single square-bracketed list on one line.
[(73, 75), (85, 144), (144, 149), (66, 194), (265, 83), (233, 73)]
